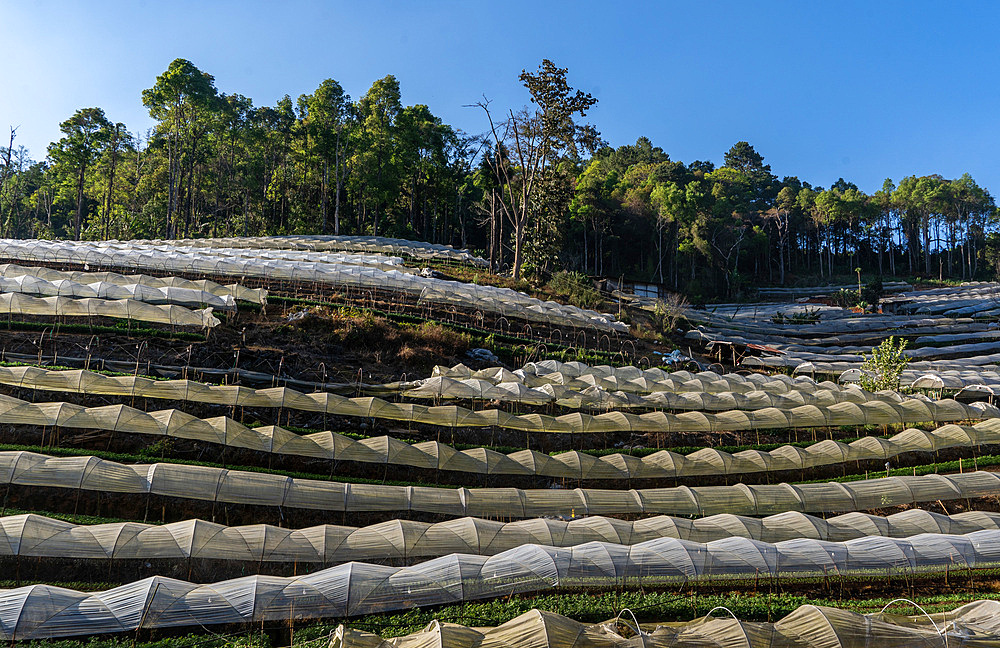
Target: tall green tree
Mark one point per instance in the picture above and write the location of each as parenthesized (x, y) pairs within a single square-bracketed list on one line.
[(85, 135), (376, 158), (325, 115), (182, 100)]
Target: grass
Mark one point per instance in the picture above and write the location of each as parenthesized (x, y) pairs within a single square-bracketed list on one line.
[(575, 288)]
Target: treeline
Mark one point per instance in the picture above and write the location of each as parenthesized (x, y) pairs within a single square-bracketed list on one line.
[(536, 191)]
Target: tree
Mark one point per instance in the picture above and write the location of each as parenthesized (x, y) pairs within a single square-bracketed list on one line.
[(537, 139), (920, 198), (180, 100), (883, 201), (375, 162), (780, 216), (423, 158), (85, 135), (593, 204), (882, 369), (325, 114)]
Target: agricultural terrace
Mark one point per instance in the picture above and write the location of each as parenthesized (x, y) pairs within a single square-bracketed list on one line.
[(374, 443)]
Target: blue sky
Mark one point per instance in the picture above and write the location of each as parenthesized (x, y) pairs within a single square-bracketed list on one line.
[(862, 90)]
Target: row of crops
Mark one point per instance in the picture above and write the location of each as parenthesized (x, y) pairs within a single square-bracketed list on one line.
[(952, 335), (150, 505), (367, 273)]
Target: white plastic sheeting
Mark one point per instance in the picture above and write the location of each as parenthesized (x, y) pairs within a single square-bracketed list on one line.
[(881, 412), (800, 291), (340, 270), (367, 244), (442, 387), (12, 304), (205, 483), (30, 285), (974, 625), (985, 364), (41, 611), (977, 299), (432, 455), (41, 537), (235, 291)]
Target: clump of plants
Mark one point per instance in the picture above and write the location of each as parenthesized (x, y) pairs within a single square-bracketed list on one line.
[(576, 288), (865, 297), (845, 298), (669, 313), (872, 292), (882, 369), (805, 317)]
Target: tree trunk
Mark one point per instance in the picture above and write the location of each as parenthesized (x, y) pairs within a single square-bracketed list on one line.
[(111, 192), (927, 243), (781, 264), (493, 231), (518, 246), (336, 198), (326, 179), (79, 202)]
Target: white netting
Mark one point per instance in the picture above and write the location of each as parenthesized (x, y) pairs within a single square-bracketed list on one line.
[(41, 537), (881, 412), (429, 454), (206, 483), (16, 304), (41, 611), (234, 291), (809, 626), (339, 270), (31, 285), (368, 244)]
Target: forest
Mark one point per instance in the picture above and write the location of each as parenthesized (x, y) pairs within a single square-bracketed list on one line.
[(535, 192)]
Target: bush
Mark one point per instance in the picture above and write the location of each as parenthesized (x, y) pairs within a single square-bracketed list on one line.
[(576, 288), (845, 298), (669, 312), (872, 292), (881, 370), (805, 317)]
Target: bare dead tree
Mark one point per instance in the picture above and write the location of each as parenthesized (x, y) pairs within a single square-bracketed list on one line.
[(517, 163)]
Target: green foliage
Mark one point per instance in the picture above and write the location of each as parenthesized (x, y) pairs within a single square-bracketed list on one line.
[(576, 288), (845, 298), (881, 369), (670, 312), (872, 292), (545, 194), (805, 317)]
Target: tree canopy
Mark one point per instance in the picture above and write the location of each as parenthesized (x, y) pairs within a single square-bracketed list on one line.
[(535, 191)]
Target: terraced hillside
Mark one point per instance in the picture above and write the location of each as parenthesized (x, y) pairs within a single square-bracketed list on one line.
[(283, 441)]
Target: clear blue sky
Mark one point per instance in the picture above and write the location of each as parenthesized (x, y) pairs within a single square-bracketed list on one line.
[(864, 90)]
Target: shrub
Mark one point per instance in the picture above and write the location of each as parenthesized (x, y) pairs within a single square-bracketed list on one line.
[(881, 370), (805, 317), (845, 298), (669, 312), (872, 292), (576, 288)]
